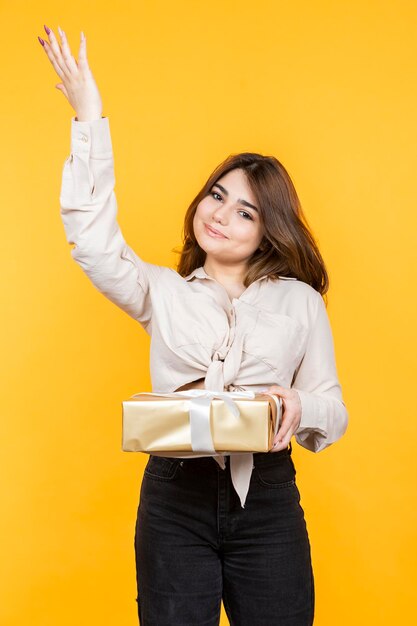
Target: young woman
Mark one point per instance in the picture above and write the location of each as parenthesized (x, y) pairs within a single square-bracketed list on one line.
[(243, 311)]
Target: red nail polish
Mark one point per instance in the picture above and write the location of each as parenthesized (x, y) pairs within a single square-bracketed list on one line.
[(41, 41), (48, 30)]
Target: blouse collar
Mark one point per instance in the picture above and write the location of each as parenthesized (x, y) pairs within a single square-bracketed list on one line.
[(200, 272)]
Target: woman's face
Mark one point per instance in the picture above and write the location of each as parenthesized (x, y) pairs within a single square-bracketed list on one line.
[(229, 208)]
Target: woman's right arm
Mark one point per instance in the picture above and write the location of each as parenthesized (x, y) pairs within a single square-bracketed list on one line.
[(89, 214), (87, 199)]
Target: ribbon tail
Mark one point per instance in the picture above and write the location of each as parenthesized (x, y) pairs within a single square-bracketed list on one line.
[(220, 460), (241, 471)]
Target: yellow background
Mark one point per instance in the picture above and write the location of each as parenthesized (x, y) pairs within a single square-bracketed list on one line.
[(330, 89)]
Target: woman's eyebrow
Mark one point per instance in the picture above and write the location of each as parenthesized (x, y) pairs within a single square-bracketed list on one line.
[(226, 193)]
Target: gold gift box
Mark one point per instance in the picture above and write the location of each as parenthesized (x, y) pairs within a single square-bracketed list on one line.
[(156, 424)]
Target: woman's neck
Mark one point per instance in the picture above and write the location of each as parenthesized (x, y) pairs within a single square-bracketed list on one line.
[(228, 275)]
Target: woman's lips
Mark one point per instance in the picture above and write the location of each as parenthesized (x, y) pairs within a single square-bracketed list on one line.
[(213, 232)]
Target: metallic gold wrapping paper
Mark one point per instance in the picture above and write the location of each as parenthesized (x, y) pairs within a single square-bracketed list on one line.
[(157, 424)]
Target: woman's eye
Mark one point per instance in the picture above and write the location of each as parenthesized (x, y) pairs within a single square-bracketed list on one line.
[(214, 194)]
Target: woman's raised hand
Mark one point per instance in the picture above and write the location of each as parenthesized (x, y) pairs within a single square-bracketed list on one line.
[(78, 84)]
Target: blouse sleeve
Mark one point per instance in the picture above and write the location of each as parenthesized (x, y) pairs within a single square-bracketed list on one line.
[(89, 214), (324, 417)]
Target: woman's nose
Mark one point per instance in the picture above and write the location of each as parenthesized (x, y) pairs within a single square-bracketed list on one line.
[(220, 214)]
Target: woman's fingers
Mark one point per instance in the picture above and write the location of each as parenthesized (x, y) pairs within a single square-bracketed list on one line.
[(82, 54), (281, 439), (61, 87), (51, 57), (290, 418), (55, 52), (66, 52), (283, 436)]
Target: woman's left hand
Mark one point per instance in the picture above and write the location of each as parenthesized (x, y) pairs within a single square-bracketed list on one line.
[(291, 416)]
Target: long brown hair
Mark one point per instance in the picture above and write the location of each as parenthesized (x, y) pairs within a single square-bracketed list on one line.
[(288, 247)]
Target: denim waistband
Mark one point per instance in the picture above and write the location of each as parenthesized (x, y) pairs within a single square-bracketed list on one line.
[(258, 458)]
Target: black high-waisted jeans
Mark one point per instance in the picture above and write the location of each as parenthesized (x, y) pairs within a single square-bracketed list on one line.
[(195, 545)]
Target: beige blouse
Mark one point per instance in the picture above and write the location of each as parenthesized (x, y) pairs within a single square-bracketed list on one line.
[(276, 332)]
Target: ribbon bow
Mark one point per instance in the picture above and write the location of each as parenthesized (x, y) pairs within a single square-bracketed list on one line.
[(199, 410)]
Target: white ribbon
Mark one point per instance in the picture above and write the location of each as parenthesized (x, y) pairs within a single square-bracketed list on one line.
[(199, 410)]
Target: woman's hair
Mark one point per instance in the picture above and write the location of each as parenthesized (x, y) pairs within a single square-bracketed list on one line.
[(288, 247)]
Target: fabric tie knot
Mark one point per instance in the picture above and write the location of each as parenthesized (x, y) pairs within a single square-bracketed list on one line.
[(215, 374)]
